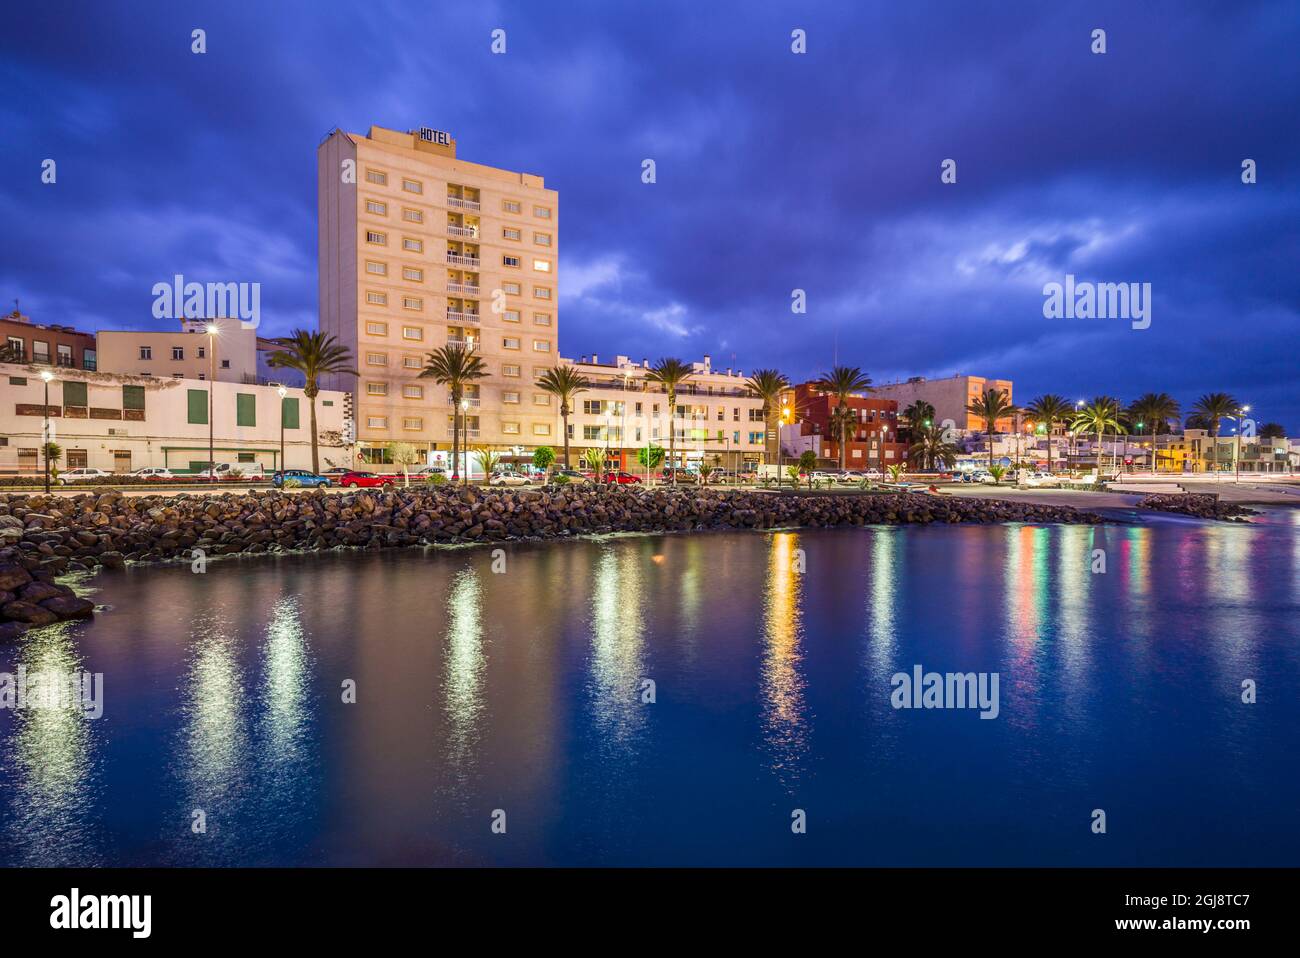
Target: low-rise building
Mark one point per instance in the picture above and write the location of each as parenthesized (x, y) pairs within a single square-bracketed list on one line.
[(190, 352), (716, 421), (123, 423), (949, 397), (875, 444), (27, 342)]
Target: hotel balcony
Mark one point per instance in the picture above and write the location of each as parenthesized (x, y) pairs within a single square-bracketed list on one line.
[(469, 232), (465, 288), (465, 433), (464, 204), (455, 259), (454, 316), (474, 401)]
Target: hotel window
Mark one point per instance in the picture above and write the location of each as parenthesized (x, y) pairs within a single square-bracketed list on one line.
[(542, 239), (146, 352), (542, 212), (178, 352), (412, 302), (510, 428), (376, 359), (510, 396), (541, 319), (541, 399), (412, 186), (412, 216), (412, 362), (376, 237), (510, 316), (591, 407), (374, 206), (510, 289), (413, 332), (512, 261), (377, 422), (541, 292), (376, 176), (541, 429), (510, 206), (412, 245), (510, 342), (376, 389), (509, 369), (377, 329), (510, 234), (376, 299), (413, 274), (412, 422), (542, 265), (412, 391), (376, 269), (541, 345)]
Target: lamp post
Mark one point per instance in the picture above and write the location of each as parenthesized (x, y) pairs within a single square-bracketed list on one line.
[(283, 465), (212, 415), (1236, 458), (464, 427), (46, 375), (609, 426), (785, 418)]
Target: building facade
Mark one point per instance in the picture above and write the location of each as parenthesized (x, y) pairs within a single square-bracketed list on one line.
[(875, 443), (53, 345), (949, 397), (420, 249), (623, 412), (123, 423), (188, 352)]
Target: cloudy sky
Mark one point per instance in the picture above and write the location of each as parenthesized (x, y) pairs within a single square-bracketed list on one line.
[(775, 171)]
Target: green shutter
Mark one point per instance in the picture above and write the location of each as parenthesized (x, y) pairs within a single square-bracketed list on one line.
[(245, 409), (132, 397), (74, 394), (198, 406), (290, 412)]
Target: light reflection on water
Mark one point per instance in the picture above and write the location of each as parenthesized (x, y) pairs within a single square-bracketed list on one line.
[(523, 691)]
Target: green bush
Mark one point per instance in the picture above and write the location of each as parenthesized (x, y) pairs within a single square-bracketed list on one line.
[(436, 479), (560, 480), (291, 483)]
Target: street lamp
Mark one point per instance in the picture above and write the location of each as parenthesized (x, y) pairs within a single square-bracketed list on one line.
[(1236, 457), (46, 375), (609, 425), (283, 465), (464, 423), (212, 330)]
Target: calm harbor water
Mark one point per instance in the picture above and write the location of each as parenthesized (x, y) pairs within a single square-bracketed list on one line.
[(478, 691)]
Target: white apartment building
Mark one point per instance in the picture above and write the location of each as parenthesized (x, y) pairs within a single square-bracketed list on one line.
[(123, 423), (624, 412), (420, 249)]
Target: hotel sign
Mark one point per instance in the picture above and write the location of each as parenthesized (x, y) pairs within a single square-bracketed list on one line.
[(435, 136)]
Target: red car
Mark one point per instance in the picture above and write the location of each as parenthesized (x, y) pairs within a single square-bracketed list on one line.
[(365, 480), (622, 478)]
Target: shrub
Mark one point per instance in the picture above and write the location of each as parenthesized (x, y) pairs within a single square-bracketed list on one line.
[(436, 479), (560, 480), (291, 483)]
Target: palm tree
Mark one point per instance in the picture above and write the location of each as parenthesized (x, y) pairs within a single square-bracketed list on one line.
[(1213, 408), (991, 407), (844, 425), (489, 459), (1154, 410), (768, 385), (564, 382), (842, 382), (1099, 416), (918, 416), (933, 446), (455, 367), (671, 373), (314, 355), (1049, 409)]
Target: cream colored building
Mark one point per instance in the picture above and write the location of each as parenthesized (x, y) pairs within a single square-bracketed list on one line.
[(123, 423), (189, 352), (716, 420), (419, 249), (949, 397)]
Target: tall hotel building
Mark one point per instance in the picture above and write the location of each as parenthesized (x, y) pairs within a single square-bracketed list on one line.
[(420, 249)]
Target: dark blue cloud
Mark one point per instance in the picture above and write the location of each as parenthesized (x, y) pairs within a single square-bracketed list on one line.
[(775, 172)]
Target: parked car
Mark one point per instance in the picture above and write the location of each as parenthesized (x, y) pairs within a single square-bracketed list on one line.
[(81, 475), (365, 480), (234, 471), (820, 475), (872, 473), (154, 472), (424, 472), (509, 479), (306, 478), (850, 476), (622, 478), (334, 472), (573, 475)]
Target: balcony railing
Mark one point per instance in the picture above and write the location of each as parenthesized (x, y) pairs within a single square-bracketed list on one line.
[(469, 231), (473, 400), (458, 317), (462, 288), (464, 204), (470, 433), (457, 260)]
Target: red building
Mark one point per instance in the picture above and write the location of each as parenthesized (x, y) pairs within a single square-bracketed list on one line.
[(29, 342), (875, 444)]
